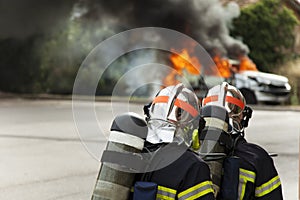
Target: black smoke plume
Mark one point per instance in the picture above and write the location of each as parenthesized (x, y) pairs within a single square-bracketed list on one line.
[(21, 19), (207, 21)]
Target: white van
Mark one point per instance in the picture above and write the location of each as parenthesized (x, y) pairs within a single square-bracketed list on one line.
[(262, 87), (257, 87)]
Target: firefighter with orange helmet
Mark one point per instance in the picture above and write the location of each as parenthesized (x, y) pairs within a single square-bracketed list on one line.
[(175, 171), (257, 177)]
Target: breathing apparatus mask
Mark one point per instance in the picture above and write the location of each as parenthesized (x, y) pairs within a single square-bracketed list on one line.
[(172, 116)]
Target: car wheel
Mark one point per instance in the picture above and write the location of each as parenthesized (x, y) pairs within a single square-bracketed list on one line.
[(249, 96)]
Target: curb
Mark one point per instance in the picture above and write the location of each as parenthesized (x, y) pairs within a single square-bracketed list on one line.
[(276, 108), (135, 100)]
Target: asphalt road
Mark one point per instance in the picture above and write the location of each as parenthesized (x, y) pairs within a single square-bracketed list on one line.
[(42, 156)]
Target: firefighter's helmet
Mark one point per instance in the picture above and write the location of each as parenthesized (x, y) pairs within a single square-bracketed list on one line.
[(173, 115), (228, 96)]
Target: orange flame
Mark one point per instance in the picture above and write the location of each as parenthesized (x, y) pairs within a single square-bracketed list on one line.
[(181, 62), (223, 66), (184, 61), (247, 64), (225, 69)]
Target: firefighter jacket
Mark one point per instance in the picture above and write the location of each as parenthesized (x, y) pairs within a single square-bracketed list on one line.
[(258, 178), (187, 178)]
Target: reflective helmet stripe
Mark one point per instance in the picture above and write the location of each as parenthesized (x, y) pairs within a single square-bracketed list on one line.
[(179, 103), (161, 99), (210, 99), (235, 101), (187, 107), (229, 99)]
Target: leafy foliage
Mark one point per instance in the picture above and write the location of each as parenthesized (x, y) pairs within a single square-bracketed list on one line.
[(61, 54), (19, 66), (267, 27)]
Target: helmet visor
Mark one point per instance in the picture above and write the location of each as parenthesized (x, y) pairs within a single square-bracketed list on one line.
[(227, 96), (180, 112), (235, 102)]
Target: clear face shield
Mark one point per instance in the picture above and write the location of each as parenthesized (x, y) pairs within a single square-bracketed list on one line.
[(173, 113)]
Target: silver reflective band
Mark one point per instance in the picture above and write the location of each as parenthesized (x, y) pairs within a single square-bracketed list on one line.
[(267, 187), (248, 175), (217, 123), (165, 193), (196, 191), (110, 190), (245, 176), (127, 139)]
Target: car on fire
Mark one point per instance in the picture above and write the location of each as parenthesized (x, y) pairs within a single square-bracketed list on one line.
[(259, 87), (256, 86)]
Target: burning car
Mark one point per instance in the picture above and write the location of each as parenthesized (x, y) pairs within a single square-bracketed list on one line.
[(256, 86), (262, 87)]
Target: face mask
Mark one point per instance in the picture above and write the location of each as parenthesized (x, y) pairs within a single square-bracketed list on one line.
[(160, 131)]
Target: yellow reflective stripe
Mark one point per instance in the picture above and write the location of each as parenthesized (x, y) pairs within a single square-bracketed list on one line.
[(194, 188), (200, 194), (165, 189), (251, 173), (165, 193), (245, 176), (163, 197), (267, 187), (196, 191), (242, 188)]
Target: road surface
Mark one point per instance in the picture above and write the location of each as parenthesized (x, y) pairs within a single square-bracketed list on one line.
[(42, 156)]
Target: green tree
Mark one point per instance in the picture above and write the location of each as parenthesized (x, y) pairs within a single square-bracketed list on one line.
[(19, 65), (60, 56), (267, 27), (64, 50)]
